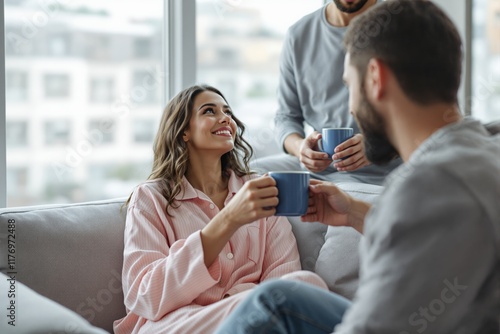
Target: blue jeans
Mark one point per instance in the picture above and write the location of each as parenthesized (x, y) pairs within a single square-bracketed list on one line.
[(281, 306)]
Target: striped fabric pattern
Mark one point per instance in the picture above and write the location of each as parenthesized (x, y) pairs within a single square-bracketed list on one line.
[(168, 288)]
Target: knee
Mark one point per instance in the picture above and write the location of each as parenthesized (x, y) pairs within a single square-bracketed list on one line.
[(308, 277), (277, 293), (272, 289)]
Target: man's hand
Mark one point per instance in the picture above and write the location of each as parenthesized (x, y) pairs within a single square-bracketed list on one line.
[(354, 149), (310, 156), (331, 206)]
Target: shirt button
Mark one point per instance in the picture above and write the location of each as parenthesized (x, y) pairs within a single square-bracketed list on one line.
[(230, 256), (212, 206)]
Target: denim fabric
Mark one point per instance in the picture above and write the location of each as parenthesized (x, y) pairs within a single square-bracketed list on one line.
[(281, 306)]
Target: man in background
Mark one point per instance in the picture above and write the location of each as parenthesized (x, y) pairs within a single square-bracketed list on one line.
[(311, 90)]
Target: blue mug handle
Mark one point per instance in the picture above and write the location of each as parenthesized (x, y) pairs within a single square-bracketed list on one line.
[(320, 145)]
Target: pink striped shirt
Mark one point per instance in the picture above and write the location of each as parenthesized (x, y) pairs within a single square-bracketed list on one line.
[(167, 286)]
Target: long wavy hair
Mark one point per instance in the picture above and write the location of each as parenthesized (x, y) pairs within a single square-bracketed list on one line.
[(171, 156)]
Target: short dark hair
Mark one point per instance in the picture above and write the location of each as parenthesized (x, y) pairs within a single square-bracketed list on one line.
[(417, 41)]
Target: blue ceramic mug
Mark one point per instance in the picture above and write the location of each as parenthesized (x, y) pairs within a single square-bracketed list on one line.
[(332, 137), (293, 192)]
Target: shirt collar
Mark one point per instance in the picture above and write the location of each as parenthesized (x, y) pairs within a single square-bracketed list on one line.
[(432, 143), (189, 192)]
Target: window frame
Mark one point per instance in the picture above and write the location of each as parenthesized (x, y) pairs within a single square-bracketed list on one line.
[(3, 108), (179, 49)]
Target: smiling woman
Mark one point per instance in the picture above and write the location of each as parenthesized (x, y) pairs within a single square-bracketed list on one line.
[(184, 121), (200, 233), (211, 122)]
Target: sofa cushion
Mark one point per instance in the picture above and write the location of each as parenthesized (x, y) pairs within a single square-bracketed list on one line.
[(71, 254), (338, 260), (332, 252), (493, 127), (29, 312), (310, 238)]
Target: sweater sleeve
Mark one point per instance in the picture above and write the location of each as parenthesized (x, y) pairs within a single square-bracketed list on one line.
[(159, 277), (289, 118), (426, 253)]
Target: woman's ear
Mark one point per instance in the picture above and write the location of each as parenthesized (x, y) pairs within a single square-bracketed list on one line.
[(185, 136)]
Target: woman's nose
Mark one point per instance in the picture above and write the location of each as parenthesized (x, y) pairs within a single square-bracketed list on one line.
[(224, 118)]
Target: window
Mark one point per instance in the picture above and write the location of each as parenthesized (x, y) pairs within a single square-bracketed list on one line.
[(142, 48), (144, 89), (112, 180), (103, 130), (18, 177), (57, 189), (102, 90), (17, 136), (97, 47), (485, 101), (144, 130), (58, 45), (72, 66), (57, 132), (238, 50), (16, 85), (56, 85)]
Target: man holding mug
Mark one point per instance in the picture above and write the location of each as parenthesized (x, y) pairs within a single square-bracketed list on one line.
[(311, 90)]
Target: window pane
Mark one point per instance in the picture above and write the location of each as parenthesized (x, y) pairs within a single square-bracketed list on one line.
[(101, 90), (144, 131), (239, 45), (78, 74), (104, 128), (144, 88), (17, 136), (485, 100), (57, 132), (18, 177), (56, 85), (16, 85)]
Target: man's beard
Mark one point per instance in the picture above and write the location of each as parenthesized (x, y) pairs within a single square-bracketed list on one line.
[(349, 8), (378, 148)]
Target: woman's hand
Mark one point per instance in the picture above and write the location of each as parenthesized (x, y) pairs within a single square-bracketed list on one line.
[(257, 199), (354, 149)]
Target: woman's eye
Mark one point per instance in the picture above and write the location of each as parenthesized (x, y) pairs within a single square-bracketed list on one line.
[(228, 112), (208, 111)]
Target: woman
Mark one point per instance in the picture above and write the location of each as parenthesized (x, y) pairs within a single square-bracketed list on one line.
[(200, 232)]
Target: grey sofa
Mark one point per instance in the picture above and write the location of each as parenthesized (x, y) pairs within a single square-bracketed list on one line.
[(67, 259)]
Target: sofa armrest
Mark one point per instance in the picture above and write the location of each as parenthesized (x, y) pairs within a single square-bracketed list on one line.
[(70, 253), (30, 312), (338, 259), (493, 127)]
